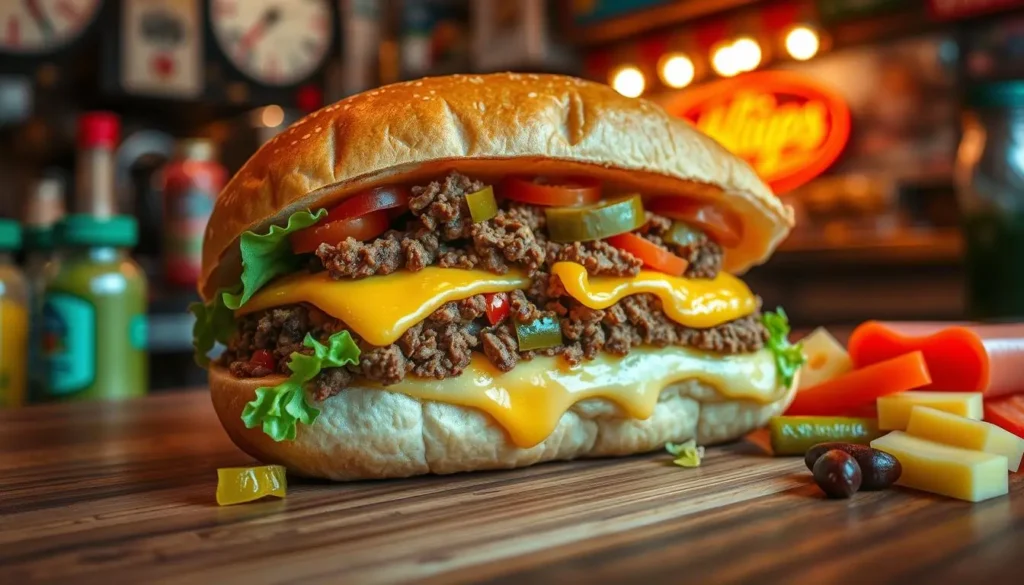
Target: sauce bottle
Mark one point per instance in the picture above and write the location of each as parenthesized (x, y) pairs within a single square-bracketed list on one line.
[(13, 318), (94, 312), (192, 181), (44, 209)]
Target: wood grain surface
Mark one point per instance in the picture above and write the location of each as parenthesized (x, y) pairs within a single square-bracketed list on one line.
[(124, 493)]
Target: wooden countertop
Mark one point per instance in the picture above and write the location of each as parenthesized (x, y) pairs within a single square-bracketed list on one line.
[(124, 493)]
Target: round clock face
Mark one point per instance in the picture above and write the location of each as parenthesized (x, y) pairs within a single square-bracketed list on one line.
[(275, 42), (41, 26)]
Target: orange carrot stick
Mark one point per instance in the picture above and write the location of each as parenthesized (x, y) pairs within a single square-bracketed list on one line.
[(962, 357), (853, 391)]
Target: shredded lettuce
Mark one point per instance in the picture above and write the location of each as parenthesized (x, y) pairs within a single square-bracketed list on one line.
[(788, 356), (686, 454), (280, 408), (267, 256), (214, 323)]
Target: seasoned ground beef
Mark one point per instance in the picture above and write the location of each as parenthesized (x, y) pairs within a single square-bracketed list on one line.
[(439, 231)]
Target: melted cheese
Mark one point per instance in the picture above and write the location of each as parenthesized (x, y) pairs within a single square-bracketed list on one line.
[(529, 400), (381, 308), (697, 303)]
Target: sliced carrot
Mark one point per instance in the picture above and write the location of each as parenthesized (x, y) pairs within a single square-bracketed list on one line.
[(961, 357), (851, 392), (1007, 413)]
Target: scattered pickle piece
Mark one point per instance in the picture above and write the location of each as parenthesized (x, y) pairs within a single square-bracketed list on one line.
[(237, 485), (794, 435)]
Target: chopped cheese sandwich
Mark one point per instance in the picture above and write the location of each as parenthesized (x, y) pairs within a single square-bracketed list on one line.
[(477, 272)]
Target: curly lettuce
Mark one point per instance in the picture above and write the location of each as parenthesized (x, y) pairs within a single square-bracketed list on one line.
[(214, 323), (279, 409), (264, 257), (788, 356), (267, 256)]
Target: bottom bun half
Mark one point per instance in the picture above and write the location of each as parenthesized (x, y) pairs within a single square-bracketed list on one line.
[(368, 433)]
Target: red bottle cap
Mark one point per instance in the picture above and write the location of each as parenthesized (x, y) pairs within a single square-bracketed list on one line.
[(99, 130)]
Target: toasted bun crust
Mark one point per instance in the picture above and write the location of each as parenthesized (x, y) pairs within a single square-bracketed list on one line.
[(486, 126), (365, 433)]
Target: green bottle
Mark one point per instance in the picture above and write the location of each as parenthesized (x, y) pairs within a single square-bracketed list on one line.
[(94, 312)]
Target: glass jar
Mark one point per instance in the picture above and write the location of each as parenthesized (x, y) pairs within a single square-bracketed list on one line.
[(13, 319), (990, 190), (94, 312)]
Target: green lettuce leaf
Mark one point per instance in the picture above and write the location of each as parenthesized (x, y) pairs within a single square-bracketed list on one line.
[(280, 408), (214, 322), (267, 256), (788, 356)]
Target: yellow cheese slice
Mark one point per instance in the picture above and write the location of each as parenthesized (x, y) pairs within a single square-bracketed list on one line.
[(959, 431), (381, 308), (529, 400), (697, 303)]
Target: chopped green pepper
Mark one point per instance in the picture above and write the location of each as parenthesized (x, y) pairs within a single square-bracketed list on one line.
[(482, 205), (794, 435), (682, 234), (236, 485), (596, 221), (539, 334)]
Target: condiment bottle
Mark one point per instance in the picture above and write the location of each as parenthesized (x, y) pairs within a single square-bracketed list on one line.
[(45, 207), (192, 181), (13, 318), (94, 312)]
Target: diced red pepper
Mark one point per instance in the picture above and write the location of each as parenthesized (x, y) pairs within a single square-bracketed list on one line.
[(263, 358), (497, 307)]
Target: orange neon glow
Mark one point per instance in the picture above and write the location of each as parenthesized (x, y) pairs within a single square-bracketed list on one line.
[(789, 127)]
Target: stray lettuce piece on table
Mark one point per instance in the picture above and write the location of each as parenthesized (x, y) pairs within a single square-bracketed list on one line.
[(686, 454), (267, 256), (280, 408), (214, 323), (788, 356)]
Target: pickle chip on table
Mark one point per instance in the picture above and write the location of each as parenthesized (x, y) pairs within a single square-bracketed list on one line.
[(476, 286)]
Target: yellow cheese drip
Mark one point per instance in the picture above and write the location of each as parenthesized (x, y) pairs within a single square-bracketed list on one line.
[(529, 400), (697, 303), (381, 308)]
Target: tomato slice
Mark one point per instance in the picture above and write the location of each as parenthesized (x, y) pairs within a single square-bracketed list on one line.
[(263, 358), (651, 254), (377, 199), (566, 192), (723, 227), (498, 307), (1007, 413), (364, 227)]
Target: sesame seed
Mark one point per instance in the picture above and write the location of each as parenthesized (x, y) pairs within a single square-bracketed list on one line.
[(305, 136), (418, 83), (294, 142), (532, 94)]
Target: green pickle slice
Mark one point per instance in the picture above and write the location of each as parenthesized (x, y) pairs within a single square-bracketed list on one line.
[(237, 485), (794, 435), (682, 234), (539, 334), (597, 221), (482, 204)]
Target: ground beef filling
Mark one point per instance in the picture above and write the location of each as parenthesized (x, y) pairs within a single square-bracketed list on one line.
[(443, 344), (439, 231)]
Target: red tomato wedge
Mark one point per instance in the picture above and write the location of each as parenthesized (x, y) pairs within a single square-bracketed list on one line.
[(723, 227), (852, 392), (651, 254), (263, 358), (1007, 413), (497, 307), (377, 199), (568, 192), (364, 227)]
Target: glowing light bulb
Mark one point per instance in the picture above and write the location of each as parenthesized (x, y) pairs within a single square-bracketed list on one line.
[(724, 62), (747, 53), (629, 81), (802, 43), (677, 70)]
